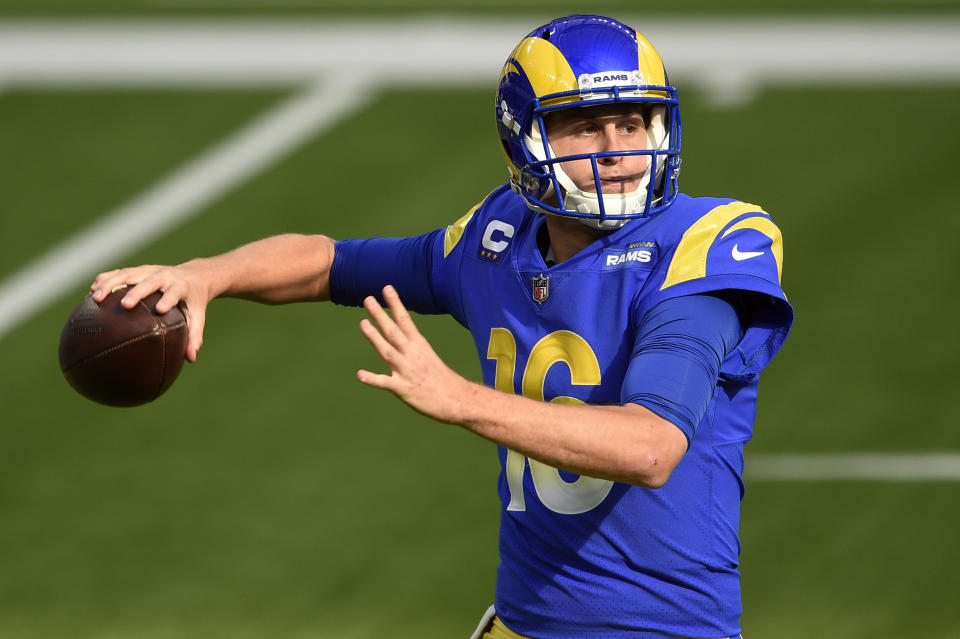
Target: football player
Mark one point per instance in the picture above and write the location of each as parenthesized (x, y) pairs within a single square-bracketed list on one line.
[(621, 327)]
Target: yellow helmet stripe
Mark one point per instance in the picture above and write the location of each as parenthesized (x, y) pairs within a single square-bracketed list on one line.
[(690, 259), (509, 67), (553, 71), (649, 62)]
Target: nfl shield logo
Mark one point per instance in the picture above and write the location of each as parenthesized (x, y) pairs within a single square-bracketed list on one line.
[(541, 289)]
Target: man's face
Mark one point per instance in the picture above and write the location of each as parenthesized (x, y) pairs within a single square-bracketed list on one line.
[(607, 127)]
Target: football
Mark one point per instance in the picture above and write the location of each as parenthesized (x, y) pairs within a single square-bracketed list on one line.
[(121, 357)]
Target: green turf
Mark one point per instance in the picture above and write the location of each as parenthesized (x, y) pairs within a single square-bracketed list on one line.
[(71, 156), (270, 494), (868, 560)]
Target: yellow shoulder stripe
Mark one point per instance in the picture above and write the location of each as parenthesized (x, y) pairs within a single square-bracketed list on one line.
[(766, 226), (455, 230), (690, 259)]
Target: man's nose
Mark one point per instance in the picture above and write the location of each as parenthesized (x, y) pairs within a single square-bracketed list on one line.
[(610, 142)]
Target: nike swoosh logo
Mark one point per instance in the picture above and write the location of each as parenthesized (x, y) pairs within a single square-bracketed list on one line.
[(739, 255)]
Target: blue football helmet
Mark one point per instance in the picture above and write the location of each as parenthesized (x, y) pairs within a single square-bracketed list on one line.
[(577, 61)]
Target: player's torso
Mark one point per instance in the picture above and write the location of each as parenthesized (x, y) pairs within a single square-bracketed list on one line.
[(565, 334), (530, 318)]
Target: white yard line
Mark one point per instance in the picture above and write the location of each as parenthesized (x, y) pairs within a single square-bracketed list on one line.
[(892, 467), (699, 52), (177, 197)]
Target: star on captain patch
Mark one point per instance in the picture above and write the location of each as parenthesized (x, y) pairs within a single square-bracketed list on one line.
[(541, 289)]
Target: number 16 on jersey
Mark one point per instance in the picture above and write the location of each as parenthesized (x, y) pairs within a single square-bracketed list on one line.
[(557, 494)]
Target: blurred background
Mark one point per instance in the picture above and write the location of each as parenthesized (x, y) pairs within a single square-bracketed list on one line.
[(269, 494)]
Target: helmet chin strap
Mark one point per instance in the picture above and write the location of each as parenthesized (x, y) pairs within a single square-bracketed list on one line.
[(582, 201), (576, 199)]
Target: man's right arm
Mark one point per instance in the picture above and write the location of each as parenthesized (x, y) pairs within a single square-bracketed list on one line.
[(275, 270)]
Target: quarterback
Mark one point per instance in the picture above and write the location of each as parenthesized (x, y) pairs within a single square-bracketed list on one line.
[(621, 326)]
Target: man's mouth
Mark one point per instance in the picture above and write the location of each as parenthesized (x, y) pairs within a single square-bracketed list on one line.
[(618, 184)]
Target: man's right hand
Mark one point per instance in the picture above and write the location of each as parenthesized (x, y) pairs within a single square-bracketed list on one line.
[(275, 270), (187, 284)]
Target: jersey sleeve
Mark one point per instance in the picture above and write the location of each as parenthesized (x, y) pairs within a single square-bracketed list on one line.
[(424, 269), (362, 267), (735, 247), (677, 354)]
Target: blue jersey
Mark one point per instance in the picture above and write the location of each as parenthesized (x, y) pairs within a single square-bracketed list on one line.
[(580, 556)]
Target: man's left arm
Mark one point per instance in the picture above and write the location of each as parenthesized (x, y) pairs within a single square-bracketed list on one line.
[(629, 443)]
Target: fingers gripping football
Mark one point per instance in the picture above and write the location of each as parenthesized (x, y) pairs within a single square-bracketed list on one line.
[(417, 374), (181, 284)]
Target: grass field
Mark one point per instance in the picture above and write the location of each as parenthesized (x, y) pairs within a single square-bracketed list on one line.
[(268, 494)]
